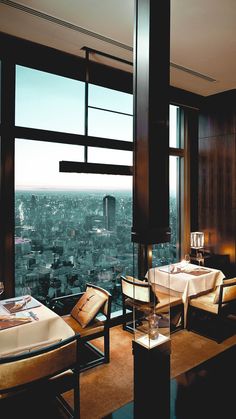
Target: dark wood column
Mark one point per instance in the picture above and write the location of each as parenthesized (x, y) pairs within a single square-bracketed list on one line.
[(151, 122), (7, 177), (151, 186)]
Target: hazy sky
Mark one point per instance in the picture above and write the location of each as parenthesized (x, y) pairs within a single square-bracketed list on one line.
[(52, 102)]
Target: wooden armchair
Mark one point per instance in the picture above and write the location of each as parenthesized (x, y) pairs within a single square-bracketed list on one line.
[(143, 297), (35, 376), (88, 314), (136, 295), (213, 314)]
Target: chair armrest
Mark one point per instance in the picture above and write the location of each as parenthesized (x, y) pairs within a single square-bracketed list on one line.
[(64, 304)]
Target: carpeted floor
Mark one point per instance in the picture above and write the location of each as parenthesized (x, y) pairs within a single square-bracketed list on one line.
[(105, 388)]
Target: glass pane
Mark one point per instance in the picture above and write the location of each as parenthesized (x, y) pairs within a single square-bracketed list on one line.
[(174, 134), (49, 102), (69, 233), (101, 97), (174, 208), (109, 156), (37, 164), (110, 125)]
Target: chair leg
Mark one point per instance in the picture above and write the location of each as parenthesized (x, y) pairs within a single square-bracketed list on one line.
[(77, 396), (107, 346), (123, 313), (188, 320), (220, 330)]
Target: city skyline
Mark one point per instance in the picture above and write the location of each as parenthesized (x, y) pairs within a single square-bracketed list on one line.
[(64, 240)]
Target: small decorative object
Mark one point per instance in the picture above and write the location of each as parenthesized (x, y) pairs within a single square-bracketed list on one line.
[(153, 321)]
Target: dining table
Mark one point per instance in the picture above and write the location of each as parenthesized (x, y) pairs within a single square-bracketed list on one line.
[(28, 326), (185, 279)]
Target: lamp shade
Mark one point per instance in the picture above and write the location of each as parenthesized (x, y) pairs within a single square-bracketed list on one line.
[(197, 240)]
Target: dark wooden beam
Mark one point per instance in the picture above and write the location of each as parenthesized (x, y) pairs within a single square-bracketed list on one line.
[(105, 169), (151, 122), (66, 138)]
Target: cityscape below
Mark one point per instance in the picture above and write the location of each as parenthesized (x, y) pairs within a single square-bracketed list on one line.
[(66, 239)]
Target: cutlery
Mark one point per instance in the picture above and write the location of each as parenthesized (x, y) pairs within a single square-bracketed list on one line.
[(33, 315)]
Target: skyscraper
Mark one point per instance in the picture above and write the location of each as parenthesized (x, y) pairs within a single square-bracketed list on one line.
[(109, 212)]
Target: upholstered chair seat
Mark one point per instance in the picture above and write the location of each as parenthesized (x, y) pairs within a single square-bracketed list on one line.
[(213, 314), (96, 326)]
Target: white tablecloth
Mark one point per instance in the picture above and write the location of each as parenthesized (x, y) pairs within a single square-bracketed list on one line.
[(49, 328), (185, 283)]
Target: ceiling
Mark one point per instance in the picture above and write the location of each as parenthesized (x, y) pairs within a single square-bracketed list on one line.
[(203, 35)]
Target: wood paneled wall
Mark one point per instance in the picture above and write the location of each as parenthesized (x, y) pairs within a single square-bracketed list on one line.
[(217, 173)]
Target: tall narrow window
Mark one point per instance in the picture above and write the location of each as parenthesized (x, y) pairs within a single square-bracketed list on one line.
[(175, 186), (174, 207)]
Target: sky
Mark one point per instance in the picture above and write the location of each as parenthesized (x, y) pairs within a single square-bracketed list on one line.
[(51, 102)]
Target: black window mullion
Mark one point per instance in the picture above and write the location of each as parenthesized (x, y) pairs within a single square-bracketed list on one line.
[(109, 110), (86, 102), (66, 138), (7, 176)]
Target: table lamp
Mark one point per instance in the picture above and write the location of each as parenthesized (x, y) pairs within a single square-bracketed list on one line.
[(197, 240)]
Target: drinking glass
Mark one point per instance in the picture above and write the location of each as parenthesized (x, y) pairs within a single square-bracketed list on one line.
[(200, 259), (1, 287), (187, 258), (26, 293)]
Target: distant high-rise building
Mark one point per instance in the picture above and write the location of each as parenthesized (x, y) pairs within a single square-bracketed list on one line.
[(109, 212), (33, 202)]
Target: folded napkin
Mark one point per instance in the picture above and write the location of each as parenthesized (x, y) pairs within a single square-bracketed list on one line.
[(174, 269), (11, 321), (15, 306)]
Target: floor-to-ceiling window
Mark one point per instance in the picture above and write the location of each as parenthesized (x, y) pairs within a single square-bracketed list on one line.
[(73, 228), (70, 228)]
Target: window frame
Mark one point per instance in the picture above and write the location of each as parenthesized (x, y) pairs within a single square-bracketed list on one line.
[(15, 52)]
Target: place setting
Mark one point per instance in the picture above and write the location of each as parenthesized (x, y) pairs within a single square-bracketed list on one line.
[(18, 310), (185, 266)]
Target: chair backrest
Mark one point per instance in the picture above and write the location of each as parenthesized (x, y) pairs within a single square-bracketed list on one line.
[(227, 292), (106, 308), (136, 289), (33, 365)]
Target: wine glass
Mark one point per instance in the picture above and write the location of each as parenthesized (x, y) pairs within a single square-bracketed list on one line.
[(26, 293), (1, 287), (187, 258), (199, 257)]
